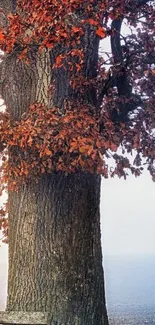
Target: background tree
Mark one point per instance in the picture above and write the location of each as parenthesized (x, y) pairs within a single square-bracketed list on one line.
[(66, 115)]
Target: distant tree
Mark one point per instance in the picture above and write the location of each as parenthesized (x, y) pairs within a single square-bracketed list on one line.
[(68, 111)]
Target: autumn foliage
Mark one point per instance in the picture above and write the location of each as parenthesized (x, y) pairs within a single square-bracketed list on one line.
[(117, 119)]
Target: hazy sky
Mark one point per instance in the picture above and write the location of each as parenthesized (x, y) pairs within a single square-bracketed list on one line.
[(128, 215)]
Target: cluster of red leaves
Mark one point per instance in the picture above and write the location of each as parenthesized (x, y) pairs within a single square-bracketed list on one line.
[(47, 140), (57, 23)]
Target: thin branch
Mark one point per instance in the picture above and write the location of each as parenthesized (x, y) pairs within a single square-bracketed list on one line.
[(141, 3)]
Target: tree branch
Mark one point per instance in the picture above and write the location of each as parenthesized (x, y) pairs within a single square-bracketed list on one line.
[(116, 41), (141, 3)]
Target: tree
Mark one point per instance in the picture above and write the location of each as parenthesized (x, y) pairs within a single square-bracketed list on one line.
[(66, 115)]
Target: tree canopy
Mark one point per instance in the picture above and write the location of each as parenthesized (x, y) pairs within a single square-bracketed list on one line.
[(107, 107)]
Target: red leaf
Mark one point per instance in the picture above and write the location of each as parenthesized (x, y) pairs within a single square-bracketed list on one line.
[(92, 22), (47, 152), (101, 32), (1, 36), (77, 29)]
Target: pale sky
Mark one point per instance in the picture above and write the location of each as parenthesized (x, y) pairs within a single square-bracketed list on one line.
[(128, 215)]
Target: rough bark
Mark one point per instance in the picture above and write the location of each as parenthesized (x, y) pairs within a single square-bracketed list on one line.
[(55, 259)]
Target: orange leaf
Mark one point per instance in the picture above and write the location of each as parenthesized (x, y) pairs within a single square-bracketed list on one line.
[(82, 149), (101, 32), (30, 140), (1, 36), (49, 45), (78, 67), (47, 152), (92, 22), (59, 61), (77, 29)]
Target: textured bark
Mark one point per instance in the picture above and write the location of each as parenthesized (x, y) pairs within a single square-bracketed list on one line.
[(22, 84), (55, 259)]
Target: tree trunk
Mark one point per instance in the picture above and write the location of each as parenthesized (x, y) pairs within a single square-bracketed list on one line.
[(55, 259)]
